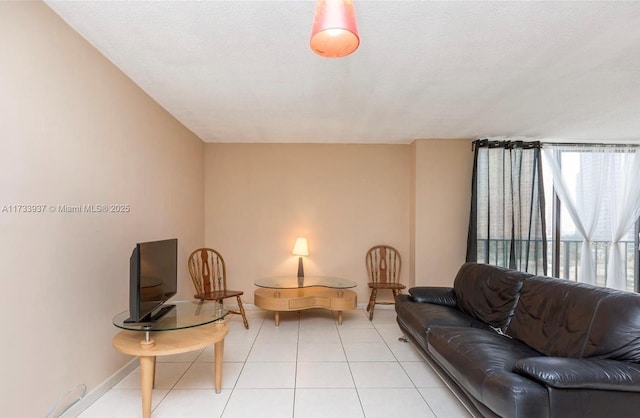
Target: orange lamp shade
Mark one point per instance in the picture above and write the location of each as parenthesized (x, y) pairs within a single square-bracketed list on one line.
[(334, 32)]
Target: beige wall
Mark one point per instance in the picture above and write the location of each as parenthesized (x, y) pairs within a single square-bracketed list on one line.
[(442, 197), (75, 130), (342, 198)]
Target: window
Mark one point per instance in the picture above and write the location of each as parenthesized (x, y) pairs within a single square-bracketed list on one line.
[(573, 214), (592, 213)]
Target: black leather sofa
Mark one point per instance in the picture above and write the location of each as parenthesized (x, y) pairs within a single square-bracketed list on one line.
[(511, 344)]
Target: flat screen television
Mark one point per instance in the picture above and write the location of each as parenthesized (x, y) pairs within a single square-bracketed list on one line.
[(153, 279)]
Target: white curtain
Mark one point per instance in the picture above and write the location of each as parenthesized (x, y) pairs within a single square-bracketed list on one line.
[(584, 206), (602, 199), (624, 210)]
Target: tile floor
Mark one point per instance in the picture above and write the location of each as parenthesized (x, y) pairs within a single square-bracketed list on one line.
[(307, 367)]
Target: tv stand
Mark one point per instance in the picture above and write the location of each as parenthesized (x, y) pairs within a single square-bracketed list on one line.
[(153, 316)]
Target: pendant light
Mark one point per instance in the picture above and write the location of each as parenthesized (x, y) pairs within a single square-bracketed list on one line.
[(334, 32)]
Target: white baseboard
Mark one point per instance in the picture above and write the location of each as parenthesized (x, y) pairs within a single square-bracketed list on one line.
[(378, 307), (100, 390)]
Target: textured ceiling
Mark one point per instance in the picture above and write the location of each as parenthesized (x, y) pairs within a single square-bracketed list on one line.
[(242, 71)]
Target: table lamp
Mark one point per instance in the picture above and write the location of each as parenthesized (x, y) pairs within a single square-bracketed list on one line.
[(300, 249)]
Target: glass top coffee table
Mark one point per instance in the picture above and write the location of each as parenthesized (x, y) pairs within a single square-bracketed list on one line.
[(185, 314), (190, 326), (291, 293)]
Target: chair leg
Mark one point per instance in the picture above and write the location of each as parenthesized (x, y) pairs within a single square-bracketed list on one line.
[(241, 309), (370, 299), (374, 294)]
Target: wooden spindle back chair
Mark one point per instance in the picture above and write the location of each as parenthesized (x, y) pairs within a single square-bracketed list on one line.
[(383, 268), (209, 275)]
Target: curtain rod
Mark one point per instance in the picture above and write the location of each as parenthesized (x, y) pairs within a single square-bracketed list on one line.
[(589, 144), (519, 143), (504, 143)]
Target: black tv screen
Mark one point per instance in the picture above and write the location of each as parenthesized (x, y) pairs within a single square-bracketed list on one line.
[(153, 279)]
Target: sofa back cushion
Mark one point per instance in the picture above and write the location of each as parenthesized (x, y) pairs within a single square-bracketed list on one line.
[(553, 316), (615, 331), (566, 319), (488, 293)]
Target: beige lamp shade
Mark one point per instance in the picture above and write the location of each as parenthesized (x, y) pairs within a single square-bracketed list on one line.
[(300, 247), (334, 33)]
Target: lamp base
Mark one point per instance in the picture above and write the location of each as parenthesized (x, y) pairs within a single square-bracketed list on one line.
[(300, 268)]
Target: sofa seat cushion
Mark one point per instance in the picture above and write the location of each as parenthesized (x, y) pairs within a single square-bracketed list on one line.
[(417, 318), (482, 361)]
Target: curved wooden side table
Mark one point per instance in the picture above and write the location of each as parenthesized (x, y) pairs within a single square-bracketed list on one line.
[(175, 334), (282, 294)]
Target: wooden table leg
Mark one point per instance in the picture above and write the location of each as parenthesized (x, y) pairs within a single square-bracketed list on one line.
[(276, 294), (171, 342), (340, 294), (147, 371), (155, 361), (218, 349)]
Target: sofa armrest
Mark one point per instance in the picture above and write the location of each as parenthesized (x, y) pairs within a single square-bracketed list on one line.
[(572, 373), (438, 295)]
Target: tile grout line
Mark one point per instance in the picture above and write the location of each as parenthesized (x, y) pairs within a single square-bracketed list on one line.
[(351, 372), (244, 363), (295, 371), (177, 380), (405, 371)]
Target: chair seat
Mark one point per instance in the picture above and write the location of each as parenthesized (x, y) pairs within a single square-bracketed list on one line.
[(220, 294), (381, 285)]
